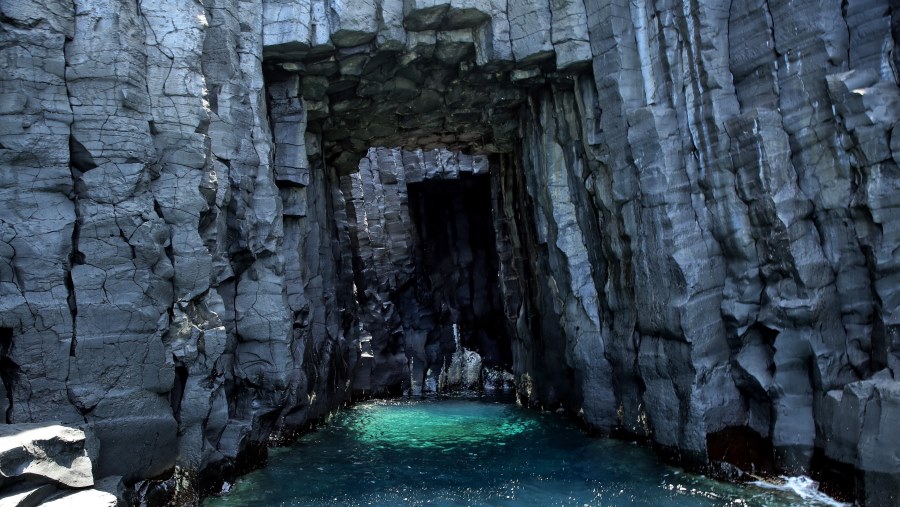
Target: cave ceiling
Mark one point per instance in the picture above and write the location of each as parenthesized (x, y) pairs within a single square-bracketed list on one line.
[(443, 84)]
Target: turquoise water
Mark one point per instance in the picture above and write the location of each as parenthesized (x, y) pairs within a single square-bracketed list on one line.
[(471, 452)]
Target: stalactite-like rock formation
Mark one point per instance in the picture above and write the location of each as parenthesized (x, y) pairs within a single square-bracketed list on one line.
[(694, 211)]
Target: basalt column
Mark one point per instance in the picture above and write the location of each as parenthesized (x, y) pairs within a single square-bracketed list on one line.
[(695, 207)]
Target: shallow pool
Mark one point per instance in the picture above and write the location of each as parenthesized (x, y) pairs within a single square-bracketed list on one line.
[(474, 452)]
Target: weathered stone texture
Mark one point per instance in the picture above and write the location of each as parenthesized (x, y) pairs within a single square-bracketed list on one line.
[(725, 224), (54, 454), (37, 220), (694, 210)]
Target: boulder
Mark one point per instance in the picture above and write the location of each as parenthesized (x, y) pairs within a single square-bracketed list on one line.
[(46, 453)]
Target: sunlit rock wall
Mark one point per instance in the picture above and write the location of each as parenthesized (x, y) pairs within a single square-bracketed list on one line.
[(145, 246), (695, 208), (710, 218)]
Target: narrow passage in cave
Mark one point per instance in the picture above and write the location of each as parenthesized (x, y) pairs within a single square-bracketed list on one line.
[(456, 255), (426, 273)]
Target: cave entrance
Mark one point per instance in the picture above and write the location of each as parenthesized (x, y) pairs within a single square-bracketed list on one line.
[(456, 258), (426, 272), (452, 83)]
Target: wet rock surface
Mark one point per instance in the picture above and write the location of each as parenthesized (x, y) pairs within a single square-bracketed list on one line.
[(694, 211)]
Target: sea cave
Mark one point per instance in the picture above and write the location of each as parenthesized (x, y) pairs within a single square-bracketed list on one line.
[(541, 246)]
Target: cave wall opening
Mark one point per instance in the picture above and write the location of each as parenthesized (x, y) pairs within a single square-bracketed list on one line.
[(421, 229), (451, 89), (620, 277), (456, 255)]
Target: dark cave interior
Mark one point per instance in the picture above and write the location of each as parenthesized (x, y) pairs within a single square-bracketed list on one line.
[(457, 264)]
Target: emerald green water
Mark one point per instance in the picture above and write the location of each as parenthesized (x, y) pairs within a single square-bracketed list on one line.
[(474, 452)]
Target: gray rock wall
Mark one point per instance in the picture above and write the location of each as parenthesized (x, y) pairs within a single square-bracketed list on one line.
[(694, 207), (727, 211), (144, 284)]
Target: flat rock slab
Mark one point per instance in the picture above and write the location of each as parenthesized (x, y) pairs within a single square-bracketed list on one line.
[(46, 453)]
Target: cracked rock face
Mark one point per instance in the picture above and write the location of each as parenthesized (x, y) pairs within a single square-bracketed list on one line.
[(693, 210), (430, 74)]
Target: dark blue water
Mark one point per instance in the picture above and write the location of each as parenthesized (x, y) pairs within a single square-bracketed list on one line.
[(471, 452)]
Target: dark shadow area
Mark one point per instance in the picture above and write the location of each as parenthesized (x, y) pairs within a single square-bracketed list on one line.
[(177, 394), (9, 370), (743, 448), (456, 259)]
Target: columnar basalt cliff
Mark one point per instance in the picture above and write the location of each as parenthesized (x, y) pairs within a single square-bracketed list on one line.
[(677, 219)]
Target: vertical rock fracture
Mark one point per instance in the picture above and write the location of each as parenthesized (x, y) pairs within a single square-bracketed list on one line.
[(678, 220)]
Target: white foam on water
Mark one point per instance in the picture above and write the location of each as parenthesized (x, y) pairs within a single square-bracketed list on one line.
[(805, 488)]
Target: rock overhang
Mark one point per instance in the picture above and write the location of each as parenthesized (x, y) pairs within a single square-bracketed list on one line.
[(420, 73)]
